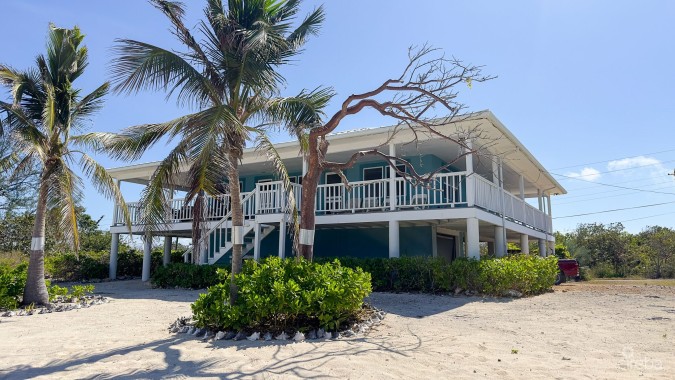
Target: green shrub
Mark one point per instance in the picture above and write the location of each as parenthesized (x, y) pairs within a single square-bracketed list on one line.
[(69, 267), (12, 282), (56, 291), (528, 274), (188, 276), (79, 291), (278, 294)]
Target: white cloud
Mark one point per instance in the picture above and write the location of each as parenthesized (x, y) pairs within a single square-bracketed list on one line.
[(588, 174), (633, 162)]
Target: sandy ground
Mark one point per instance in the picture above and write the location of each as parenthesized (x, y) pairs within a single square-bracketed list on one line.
[(579, 331)]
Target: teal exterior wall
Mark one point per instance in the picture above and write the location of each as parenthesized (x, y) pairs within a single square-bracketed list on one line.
[(353, 242)]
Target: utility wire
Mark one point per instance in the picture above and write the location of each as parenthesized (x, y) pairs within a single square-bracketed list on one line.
[(623, 169), (619, 187), (616, 159), (614, 210)]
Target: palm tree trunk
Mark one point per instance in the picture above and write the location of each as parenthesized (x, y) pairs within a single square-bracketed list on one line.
[(35, 291), (197, 218), (237, 223), (310, 183)]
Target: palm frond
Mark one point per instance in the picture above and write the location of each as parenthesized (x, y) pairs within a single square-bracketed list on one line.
[(105, 184), (90, 103), (142, 66)]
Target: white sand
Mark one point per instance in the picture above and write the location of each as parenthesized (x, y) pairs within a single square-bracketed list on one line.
[(605, 332)]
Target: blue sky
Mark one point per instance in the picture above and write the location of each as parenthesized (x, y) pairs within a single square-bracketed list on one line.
[(587, 86)]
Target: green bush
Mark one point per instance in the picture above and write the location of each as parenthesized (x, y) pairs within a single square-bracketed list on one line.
[(528, 274), (85, 266), (278, 294), (188, 276), (12, 282), (79, 291)]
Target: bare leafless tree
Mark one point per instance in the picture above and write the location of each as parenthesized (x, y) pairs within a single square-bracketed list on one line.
[(428, 87)]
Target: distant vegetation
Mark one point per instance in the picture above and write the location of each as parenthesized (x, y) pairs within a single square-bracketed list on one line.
[(610, 251)]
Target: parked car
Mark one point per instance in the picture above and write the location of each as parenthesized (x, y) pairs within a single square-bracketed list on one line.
[(569, 268)]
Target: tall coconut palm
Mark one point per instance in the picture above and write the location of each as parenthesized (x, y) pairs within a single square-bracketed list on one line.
[(39, 123), (230, 76)]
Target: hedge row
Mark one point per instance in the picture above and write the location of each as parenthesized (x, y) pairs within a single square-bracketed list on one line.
[(527, 274)]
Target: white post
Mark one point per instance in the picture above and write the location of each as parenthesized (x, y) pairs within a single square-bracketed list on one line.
[(542, 247), (167, 251), (522, 188), (500, 246), (116, 210), (114, 247), (495, 172), (392, 179), (256, 242), (470, 193), (472, 238), (394, 240), (524, 244), (147, 257), (282, 239)]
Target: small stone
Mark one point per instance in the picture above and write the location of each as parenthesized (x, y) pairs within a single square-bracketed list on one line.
[(282, 336), (207, 335), (348, 333), (335, 335), (320, 333), (229, 335), (268, 336), (311, 334), (513, 293), (240, 336), (197, 332), (191, 330), (8, 314), (299, 337), (458, 290), (220, 335), (185, 329), (43, 311), (253, 337)]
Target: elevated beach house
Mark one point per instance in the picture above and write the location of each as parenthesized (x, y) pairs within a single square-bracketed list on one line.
[(380, 214)]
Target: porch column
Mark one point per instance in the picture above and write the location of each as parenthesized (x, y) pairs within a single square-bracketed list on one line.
[(392, 179), (495, 172), (459, 244), (500, 246), (522, 188), (472, 238), (551, 248), (114, 247), (524, 244), (147, 257), (542, 247), (394, 242), (282, 239), (550, 216), (167, 251), (256, 242), (470, 193)]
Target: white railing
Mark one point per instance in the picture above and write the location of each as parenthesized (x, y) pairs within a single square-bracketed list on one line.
[(486, 193), (516, 209), (179, 210), (271, 198), (220, 235), (444, 190), (361, 195)]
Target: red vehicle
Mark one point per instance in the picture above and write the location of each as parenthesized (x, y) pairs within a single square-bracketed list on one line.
[(568, 268)]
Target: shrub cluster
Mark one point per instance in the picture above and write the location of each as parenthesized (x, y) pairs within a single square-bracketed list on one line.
[(277, 294), (13, 281), (527, 274), (188, 276)]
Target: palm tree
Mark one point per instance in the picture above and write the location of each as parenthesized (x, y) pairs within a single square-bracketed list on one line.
[(44, 111), (230, 77)]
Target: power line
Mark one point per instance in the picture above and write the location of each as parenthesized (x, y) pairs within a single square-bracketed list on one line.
[(623, 169), (639, 179), (670, 183), (614, 210), (616, 159), (607, 196), (619, 187), (646, 217)]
